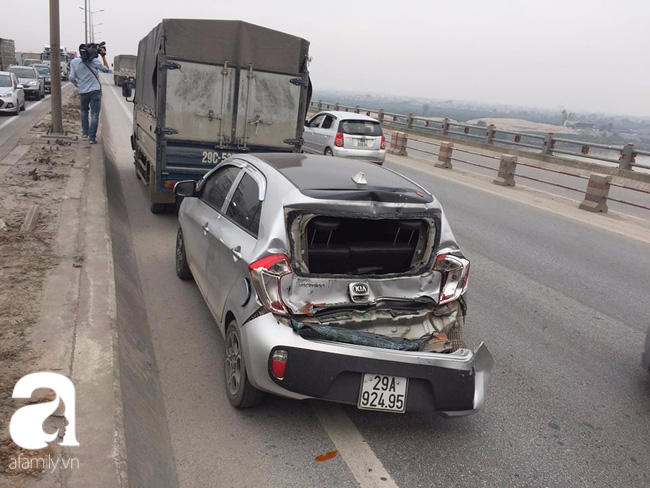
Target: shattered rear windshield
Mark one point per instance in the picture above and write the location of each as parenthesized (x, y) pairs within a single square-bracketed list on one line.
[(360, 127)]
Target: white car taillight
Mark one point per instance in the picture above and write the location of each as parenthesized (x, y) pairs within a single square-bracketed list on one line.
[(266, 274), (455, 273)]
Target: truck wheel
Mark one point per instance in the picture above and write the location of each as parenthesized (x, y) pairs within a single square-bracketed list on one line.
[(157, 208), (182, 268), (240, 391)]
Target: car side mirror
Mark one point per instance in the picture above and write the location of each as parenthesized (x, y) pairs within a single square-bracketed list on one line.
[(186, 188), (127, 91)]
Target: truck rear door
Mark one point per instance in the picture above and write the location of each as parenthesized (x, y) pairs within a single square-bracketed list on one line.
[(200, 102), (267, 109)]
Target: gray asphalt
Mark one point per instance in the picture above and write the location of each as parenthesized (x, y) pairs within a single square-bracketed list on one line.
[(562, 306)]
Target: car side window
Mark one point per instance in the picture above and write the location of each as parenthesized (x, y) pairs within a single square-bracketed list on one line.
[(245, 205), (327, 123), (218, 185), (315, 122)]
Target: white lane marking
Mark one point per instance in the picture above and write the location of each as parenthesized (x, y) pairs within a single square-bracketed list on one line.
[(9, 121), (31, 106), (355, 451), (122, 104), (16, 117), (36, 104)]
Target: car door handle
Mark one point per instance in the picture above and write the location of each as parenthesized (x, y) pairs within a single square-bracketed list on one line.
[(205, 229), (236, 251)]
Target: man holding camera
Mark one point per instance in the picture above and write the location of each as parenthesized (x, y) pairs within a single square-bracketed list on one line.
[(84, 75)]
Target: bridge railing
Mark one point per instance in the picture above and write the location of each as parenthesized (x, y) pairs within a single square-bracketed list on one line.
[(631, 190), (548, 144)]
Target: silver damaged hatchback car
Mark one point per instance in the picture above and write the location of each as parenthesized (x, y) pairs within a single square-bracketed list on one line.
[(332, 279)]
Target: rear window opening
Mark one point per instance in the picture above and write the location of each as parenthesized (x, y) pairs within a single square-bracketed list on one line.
[(360, 128), (357, 246)]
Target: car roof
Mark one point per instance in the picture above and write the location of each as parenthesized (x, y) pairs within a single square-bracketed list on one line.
[(329, 177), (347, 115)]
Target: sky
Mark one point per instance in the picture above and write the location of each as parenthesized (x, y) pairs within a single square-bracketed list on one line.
[(577, 55)]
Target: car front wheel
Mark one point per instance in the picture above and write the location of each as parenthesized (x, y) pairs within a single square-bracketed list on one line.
[(182, 268), (240, 391)]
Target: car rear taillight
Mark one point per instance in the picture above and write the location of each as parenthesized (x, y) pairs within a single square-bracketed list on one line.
[(266, 274), (383, 142), (279, 363), (455, 273), (338, 142)]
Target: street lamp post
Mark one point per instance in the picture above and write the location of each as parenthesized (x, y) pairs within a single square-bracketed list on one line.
[(88, 21)]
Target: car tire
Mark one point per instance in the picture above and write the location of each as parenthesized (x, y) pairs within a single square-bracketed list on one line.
[(241, 393), (17, 112), (182, 268), (23, 109), (328, 152)]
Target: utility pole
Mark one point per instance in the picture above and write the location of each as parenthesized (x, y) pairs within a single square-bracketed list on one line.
[(55, 68), (86, 21)]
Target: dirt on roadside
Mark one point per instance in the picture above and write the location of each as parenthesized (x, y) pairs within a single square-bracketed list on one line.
[(39, 178)]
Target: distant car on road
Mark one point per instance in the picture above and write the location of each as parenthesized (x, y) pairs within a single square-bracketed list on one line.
[(332, 279), (12, 97), (44, 72), (346, 135), (30, 81), (645, 360)]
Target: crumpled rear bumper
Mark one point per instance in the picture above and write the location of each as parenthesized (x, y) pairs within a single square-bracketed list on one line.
[(451, 384)]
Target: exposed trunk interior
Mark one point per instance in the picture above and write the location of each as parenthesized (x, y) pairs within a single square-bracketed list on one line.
[(354, 246)]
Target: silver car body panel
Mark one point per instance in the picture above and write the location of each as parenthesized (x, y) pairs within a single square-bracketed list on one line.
[(262, 334)]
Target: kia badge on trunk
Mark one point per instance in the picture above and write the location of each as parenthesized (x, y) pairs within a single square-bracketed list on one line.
[(359, 292)]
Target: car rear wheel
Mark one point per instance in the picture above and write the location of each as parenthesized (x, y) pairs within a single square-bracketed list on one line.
[(240, 391), (182, 268), (328, 152)]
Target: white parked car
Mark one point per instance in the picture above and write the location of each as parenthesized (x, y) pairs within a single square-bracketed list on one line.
[(12, 96), (346, 135)]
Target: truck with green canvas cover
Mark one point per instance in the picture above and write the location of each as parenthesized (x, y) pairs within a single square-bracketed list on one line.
[(210, 89)]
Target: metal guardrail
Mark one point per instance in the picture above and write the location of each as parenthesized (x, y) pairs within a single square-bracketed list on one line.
[(548, 145), (596, 193)]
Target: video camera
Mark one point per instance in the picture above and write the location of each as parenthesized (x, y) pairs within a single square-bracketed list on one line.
[(91, 50)]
